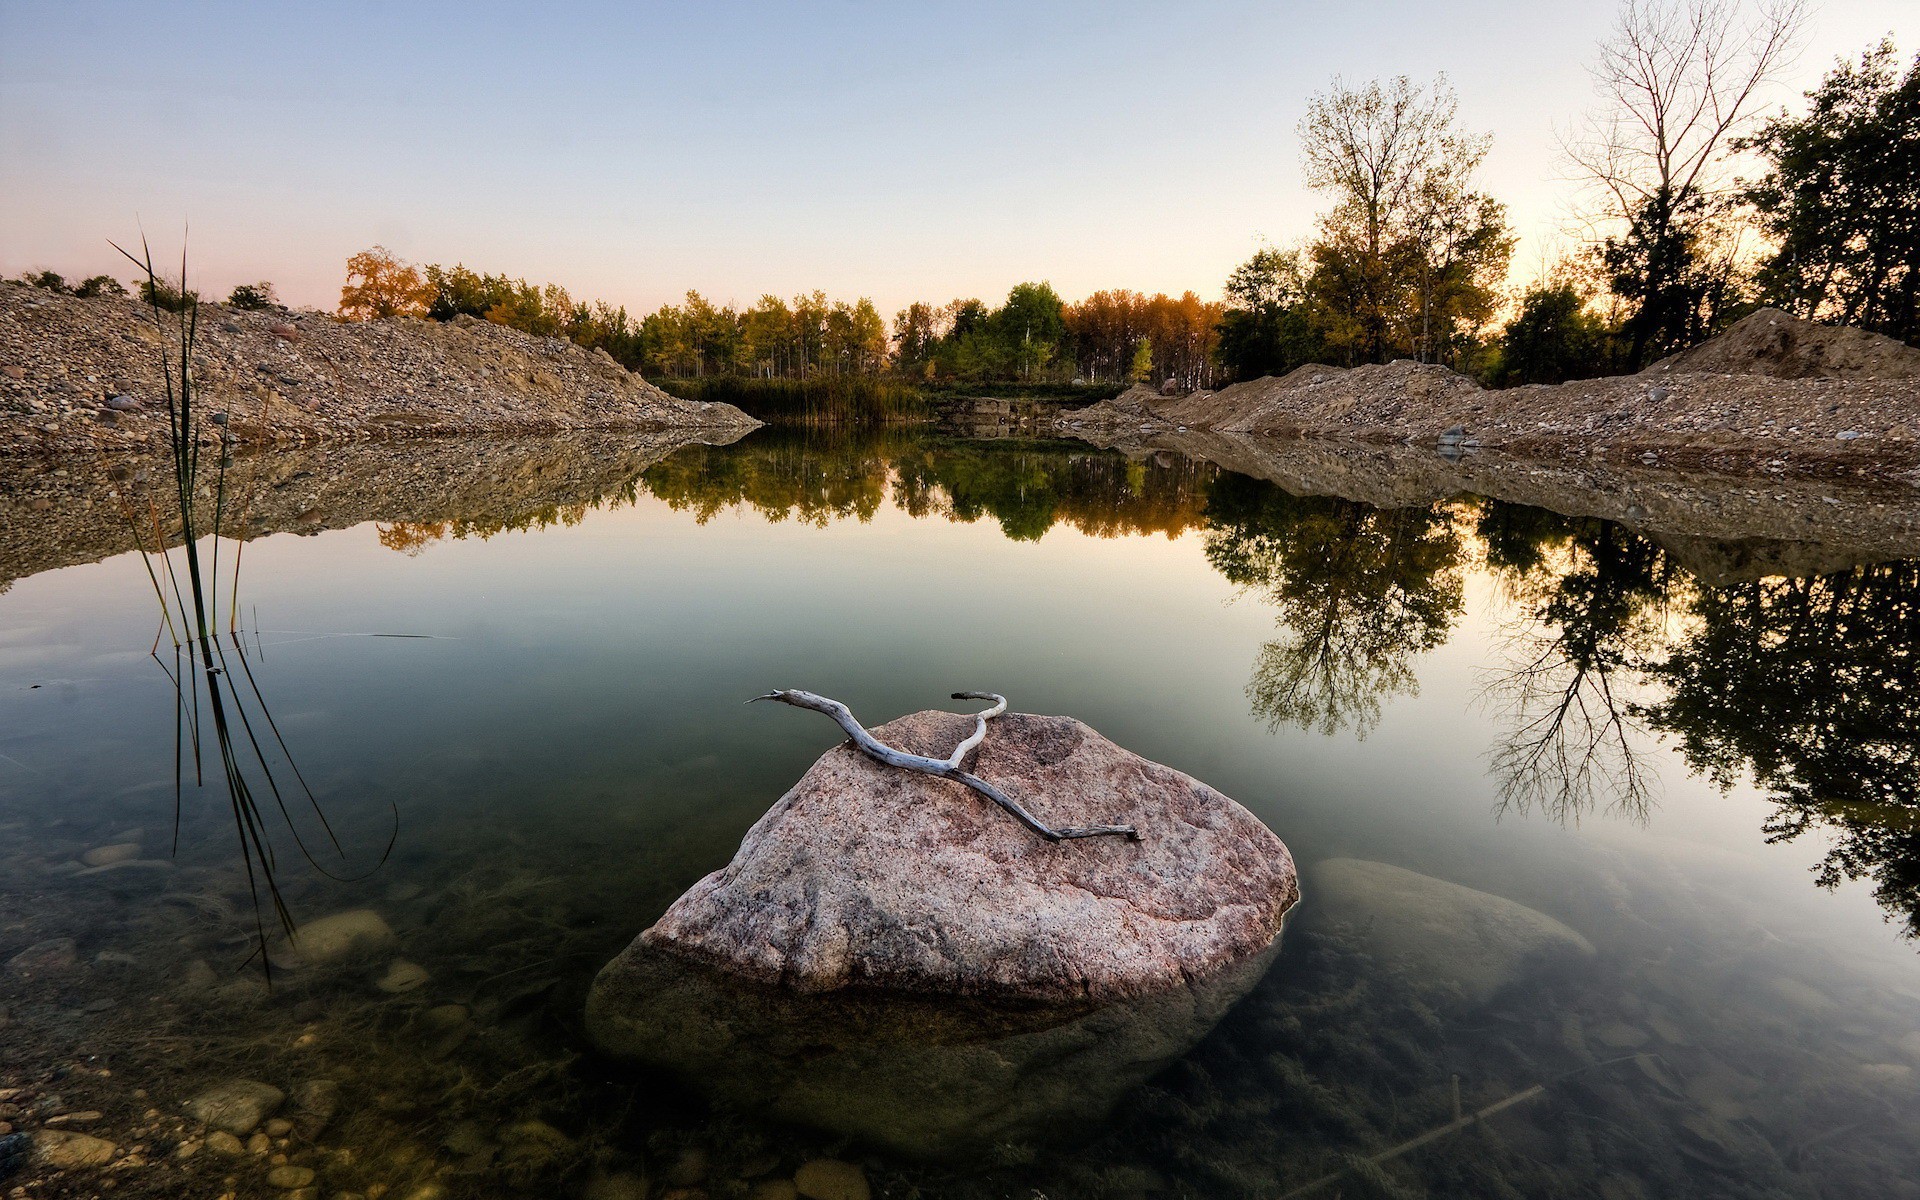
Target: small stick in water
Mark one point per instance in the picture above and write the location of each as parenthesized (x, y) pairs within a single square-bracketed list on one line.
[(949, 767)]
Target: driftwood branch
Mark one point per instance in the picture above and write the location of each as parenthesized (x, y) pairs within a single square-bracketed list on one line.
[(950, 767)]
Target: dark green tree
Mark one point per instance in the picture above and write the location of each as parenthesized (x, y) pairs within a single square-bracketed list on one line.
[(1553, 338), (1841, 199)]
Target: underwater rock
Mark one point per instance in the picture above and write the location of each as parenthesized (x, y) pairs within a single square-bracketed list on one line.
[(103, 856), (1440, 934), (342, 935), (64, 1151), (55, 956), (831, 1179), (401, 976), (236, 1106), (891, 956), (314, 1103)]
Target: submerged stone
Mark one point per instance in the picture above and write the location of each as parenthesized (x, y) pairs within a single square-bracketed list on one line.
[(236, 1106), (892, 956), (342, 935), (1440, 934)]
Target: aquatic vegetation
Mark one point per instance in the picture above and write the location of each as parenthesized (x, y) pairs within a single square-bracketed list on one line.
[(208, 664)]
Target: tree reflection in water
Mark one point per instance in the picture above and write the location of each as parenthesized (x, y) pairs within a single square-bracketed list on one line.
[(1809, 686), (1805, 684), (1593, 601), (1361, 592)]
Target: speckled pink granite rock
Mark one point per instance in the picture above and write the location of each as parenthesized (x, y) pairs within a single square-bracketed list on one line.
[(865, 875), (892, 956)]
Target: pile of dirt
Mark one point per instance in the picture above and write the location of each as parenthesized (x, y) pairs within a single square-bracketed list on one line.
[(1773, 394), (80, 374), (1783, 346)]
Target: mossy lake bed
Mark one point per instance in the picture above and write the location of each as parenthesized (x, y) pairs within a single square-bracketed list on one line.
[(1565, 762)]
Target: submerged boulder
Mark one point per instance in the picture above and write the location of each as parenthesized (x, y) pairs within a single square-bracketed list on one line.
[(1441, 935), (890, 955)]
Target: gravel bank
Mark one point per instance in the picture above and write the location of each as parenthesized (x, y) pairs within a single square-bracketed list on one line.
[(79, 375), (1773, 395)]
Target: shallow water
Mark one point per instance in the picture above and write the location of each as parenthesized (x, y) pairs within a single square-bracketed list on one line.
[(1710, 775)]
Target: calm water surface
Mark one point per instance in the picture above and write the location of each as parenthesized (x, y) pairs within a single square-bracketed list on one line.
[(1715, 786)]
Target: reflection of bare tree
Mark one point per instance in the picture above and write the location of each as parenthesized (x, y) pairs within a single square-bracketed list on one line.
[(1361, 591), (1592, 598)]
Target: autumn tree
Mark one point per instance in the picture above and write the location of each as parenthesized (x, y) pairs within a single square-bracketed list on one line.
[(1267, 326), (1409, 256), (380, 286), (1677, 81)]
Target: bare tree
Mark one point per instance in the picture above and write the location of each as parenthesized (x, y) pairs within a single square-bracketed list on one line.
[(1678, 80)]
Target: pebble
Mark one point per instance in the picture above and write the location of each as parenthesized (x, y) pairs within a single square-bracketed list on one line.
[(259, 1144), (687, 1170), (122, 403), (342, 935), (314, 1103), (64, 1151), (236, 1106), (620, 1185), (279, 1127), (52, 957), (222, 1142), (101, 856), (831, 1179), (402, 976), (290, 1177)]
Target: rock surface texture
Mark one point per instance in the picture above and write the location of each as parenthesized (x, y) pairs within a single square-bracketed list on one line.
[(864, 875), (892, 956)]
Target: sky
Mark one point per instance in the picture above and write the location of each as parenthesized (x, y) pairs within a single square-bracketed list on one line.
[(631, 152)]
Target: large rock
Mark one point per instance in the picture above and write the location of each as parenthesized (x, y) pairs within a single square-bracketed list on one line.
[(1440, 935), (892, 956)]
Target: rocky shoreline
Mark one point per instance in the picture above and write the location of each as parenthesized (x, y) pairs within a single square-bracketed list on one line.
[(83, 375), (1774, 395)]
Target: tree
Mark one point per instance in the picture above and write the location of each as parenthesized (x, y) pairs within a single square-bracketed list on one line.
[(1267, 326), (1409, 253), (252, 296), (1841, 199), (1677, 80), (380, 286), (1032, 324), (1553, 338), (99, 285)]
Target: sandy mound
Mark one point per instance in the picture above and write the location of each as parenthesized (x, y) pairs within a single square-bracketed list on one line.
[(1776, 344)]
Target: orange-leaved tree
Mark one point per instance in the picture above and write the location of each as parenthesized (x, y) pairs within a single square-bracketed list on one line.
[(380, 285)]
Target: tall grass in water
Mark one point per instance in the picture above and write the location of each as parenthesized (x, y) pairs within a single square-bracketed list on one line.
[(824, 401), (209, 664)]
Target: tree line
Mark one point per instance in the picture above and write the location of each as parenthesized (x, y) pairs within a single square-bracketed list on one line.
[(1693, 210)]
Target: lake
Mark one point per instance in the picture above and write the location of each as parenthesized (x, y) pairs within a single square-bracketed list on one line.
[(511, 676)]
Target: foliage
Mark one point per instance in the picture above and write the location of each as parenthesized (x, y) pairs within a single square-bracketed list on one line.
[(1675, 269), (48, 281), (1361, 592), (1409, 259), (99, 285), (1841, 199), (1678, 80), (253, 297), (823, 400), (159, 294), (1122, 335), (1808, 685), (380, 286), (1554, 338), (1268, 326)]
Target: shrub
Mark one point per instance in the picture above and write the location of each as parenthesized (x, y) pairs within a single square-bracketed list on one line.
[(252, 297), (163, 295), (99, 285)]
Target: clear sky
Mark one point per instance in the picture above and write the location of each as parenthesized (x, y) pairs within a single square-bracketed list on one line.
[(633, 151)]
